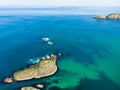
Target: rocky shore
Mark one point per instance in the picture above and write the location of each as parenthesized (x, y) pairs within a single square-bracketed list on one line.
[(43, 68), (113, 16)]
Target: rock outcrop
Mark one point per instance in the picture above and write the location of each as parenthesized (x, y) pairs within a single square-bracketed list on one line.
[(25, 74), (39, 86), (101, 17), (8, 80), (29, 88), (44, 68), (113, 16)]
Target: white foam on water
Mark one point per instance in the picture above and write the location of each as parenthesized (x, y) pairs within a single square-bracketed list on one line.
[(50, 43), (33, 61), (45, 39)]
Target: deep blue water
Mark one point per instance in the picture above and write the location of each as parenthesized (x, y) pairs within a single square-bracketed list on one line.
[(74, 36)]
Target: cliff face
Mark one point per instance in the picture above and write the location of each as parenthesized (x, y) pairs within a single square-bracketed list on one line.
[(113, 16)]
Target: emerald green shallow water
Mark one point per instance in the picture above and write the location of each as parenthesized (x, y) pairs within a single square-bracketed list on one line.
[(90, 51)]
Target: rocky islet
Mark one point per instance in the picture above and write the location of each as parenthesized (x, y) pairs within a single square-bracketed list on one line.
[(113, 16)]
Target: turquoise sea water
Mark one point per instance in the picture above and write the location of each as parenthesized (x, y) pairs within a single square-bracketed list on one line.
[(90, 50)]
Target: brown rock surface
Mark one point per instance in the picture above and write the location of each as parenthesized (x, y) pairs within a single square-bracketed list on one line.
[(39, 86), (113, 16), (8, 80), (29, 88), (101, 17), (44, 68), (25, 74)]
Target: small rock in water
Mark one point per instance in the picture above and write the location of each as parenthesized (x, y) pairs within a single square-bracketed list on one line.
[(50, 43), (45, 39), (8, 80), (39, 86)]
